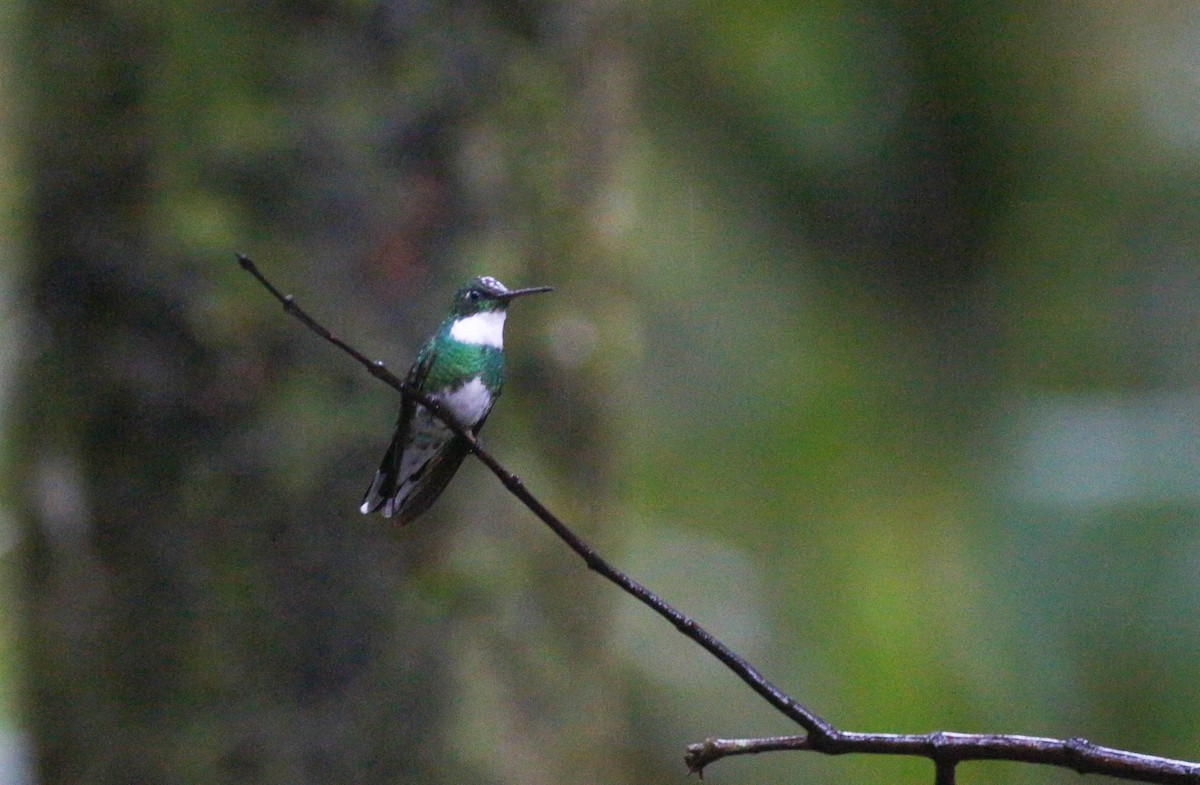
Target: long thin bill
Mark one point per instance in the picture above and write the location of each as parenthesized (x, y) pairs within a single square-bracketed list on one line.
[(531, 290)]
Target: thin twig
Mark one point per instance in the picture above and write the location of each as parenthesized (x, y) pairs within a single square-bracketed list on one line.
[(808, 720), (946, 750)]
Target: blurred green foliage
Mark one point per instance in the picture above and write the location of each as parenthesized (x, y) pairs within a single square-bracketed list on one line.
[(875, 348)]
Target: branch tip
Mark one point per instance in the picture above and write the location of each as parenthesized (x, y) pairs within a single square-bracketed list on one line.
[(698, 756)]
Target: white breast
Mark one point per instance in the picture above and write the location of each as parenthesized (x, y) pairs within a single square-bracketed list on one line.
[(470, 402), (427, 435), (485, 328)]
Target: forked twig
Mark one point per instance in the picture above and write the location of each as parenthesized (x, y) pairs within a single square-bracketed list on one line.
[(946, 750)]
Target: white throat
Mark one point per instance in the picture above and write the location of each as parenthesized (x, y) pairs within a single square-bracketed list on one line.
[(485, 328)]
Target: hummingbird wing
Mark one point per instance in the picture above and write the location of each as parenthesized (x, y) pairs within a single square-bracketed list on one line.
[(384, 486), (422, 458), (418, 491)]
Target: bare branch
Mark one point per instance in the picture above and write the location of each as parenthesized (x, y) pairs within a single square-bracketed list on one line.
[(710, 750), (946, 750), (808, 720)]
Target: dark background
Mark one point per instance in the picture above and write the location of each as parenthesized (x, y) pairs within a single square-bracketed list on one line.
[(874, 346)]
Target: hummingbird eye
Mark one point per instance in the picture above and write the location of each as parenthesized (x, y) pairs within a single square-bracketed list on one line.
[(474, 295)]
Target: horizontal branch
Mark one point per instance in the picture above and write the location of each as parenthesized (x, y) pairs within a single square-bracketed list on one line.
[(1077, 754)]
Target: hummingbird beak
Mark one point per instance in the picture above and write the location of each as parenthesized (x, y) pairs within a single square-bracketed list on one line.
[(510, 294)]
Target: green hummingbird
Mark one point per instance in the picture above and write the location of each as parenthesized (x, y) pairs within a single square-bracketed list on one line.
[(462, 368)]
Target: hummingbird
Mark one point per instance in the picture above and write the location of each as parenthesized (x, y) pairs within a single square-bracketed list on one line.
[(462, 368)]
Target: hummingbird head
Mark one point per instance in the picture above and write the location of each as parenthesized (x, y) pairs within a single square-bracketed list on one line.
[(485, 294), (477, 314)]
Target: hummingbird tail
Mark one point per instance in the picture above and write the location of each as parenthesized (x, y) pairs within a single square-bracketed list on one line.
[(383, 487), (401, 491)]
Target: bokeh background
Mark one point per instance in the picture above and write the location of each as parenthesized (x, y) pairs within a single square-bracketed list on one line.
[(875, 348)]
